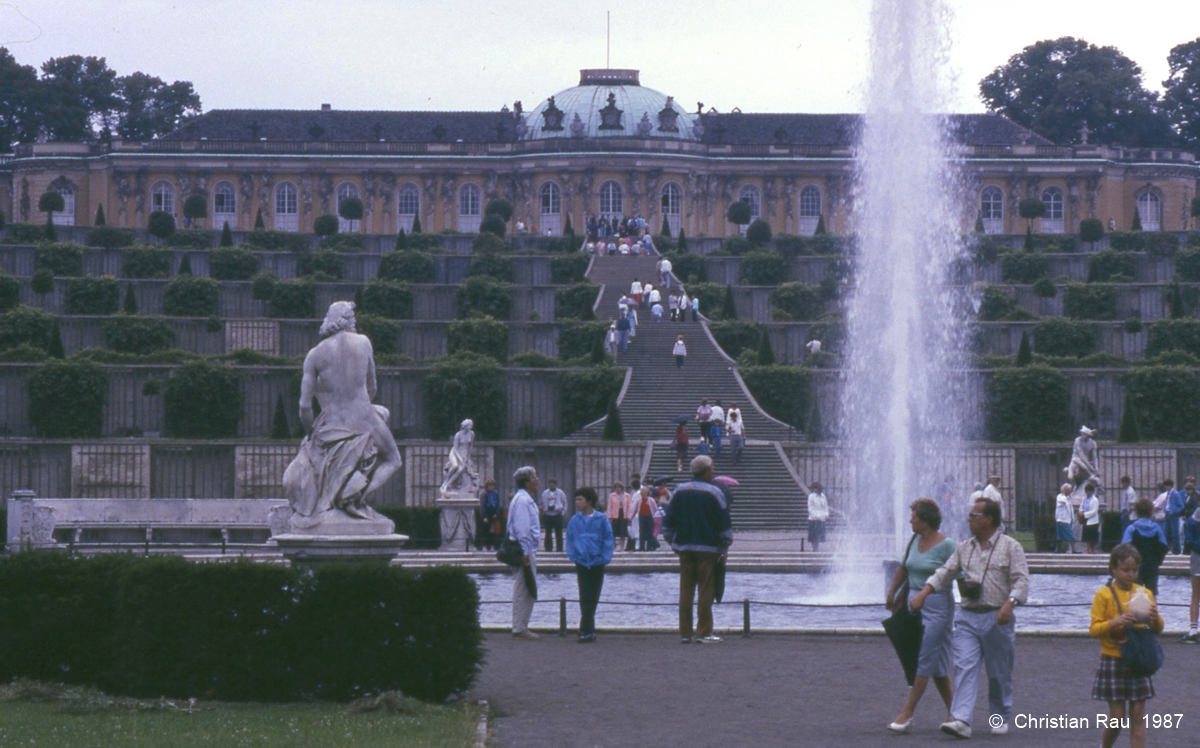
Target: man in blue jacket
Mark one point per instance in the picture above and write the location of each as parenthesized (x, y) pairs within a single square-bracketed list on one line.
[(590, 546), (698, 528), (1175, 503)]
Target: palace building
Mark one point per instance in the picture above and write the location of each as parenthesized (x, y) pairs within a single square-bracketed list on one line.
[(607, 147)]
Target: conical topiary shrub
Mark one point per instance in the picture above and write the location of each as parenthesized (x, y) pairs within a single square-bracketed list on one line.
[(185, 265), (55, 350), (1129, 433), (100, 219), (279, 424), (820, 226), (259, 223), (766, 355), (226, 236), (1137, 220), (728, 308), (1025, 351), (613, 431), (401, 240), (416, 227), (682, 245)]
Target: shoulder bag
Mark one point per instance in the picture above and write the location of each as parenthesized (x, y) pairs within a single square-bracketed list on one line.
[(1141, 652)]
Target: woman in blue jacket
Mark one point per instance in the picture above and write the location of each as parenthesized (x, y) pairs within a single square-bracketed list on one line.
[(590, 546)]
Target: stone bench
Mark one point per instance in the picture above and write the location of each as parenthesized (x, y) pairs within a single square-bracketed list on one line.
[(39, 523)]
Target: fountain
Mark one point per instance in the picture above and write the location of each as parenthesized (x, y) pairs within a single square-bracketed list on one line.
[(906, 396)]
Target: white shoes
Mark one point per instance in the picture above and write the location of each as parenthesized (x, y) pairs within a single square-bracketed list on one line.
[(1001, 730), (903, 728), (527, 635), (957, 728)]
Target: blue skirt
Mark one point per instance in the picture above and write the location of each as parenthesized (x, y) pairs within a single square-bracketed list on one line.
[(1064, 532), (936, 645)]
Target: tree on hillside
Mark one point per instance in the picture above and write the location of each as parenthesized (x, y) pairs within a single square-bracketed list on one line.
[(78, 97), (1056, 86), (1182, 100)]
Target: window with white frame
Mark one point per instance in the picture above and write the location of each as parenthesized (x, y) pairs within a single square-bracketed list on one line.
[(224, 205), (345, 191), (753, 197), (469, 198), (551, 209), (611, 200), (672, 206), (409, 206), (287, 207), (1052, 221), (991, 210), (810, 209), (162, 197), (1149, 207), (66, 216)]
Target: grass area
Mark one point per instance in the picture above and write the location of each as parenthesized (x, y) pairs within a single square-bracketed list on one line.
[(1026, 540), (35, 714)]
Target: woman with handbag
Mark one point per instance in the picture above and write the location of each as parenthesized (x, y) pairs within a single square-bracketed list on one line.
[(1119, 622), (926, 552)]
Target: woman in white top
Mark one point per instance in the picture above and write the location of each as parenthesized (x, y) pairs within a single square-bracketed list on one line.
[(680, 352), (735, 427), (635, 290), (1064, 515), (818, 515), (684, 304), (1089, 512)]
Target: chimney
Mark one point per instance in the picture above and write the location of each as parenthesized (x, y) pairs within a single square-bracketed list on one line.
[(326, 107)]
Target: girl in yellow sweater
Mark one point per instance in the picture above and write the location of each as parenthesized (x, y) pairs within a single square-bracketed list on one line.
[(1114, 683)]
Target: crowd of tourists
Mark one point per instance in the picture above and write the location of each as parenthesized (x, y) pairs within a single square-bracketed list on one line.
[(618, 236)]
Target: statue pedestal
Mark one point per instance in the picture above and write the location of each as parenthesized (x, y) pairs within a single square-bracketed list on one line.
[(312, 549), (458, 521)]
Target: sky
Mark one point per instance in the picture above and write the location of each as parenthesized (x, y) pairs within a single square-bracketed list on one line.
[(449, 55)]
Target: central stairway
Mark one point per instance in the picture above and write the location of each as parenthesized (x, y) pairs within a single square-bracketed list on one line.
[(770, 495)]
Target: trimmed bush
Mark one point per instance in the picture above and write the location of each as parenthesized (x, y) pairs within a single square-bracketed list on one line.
[(466, 385), (493, 224), (139, 335), (736, 336), (26, 325), (1130, 432), (408, 265), (735, 245), (110, 237), (161, 224), (1045, 288), (1187, 265), (1106, 265), (568, 268), (202, 400), (782, 391), (586, 393), (1173, 335), (575, 302), (484, 296), (325, 225), (226, 236), (1161, 244), (10, 291), (711, 296), (1023, 267), (1090, 301), (262, 286), (577, 339), (383, 333), (688, 267), (739, 212), (759, 232), (146, 262), (42, 281), (93, 295), (295, 299), (764, 269), (343, 243), (796, 301), (483, 335), (1167, 399), (319, 265), (386, 299), (60, 259), (1056, 336), (533, 360), (277, 241), (232, 263), (498, 206), (66, 400), (1030, 403), (1127, 241), (191, 296), (996, 304), (185, 265), (1024, 351), (493, 265), (1091, 230), (190, 239)]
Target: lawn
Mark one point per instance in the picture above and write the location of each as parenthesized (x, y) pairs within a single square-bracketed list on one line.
[(47, 715)]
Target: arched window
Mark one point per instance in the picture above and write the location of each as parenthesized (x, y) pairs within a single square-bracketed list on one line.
[(810, 209), (551, 209), (468, 208), (991, 210), (1052, 222), (752, 195), (409, 206), (287, 207), (66, 216), (162, 197), (672, 206), (1149, 207), (345, 191), (611, 199), (224, 206)]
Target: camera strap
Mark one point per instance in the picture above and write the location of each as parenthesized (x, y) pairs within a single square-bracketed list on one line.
[(987, 564)]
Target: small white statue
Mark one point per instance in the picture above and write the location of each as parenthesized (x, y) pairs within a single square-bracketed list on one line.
[(460, 475)]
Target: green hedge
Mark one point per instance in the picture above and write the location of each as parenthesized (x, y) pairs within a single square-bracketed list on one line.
[(764, 269), (1023, 267), (568, 268), (60, 259), (996, 304), (243, 631), (736, 336), (1090, 301), (93, 295), (66, 400), (232, 263), (1127, 241), (146, 262), (343, 243), (1173, 335), (277, 241), (323, 265), (190, 239), (26, 325), (1029, 403), (294, 299), (1187, 265), (688, 267), (191, 296), (110, 237), (1056, 336), (383, 333), (140, 335), (483, 335), (1167, 399), (1111, 265), (575, 302), (577, 339), (790, 245), (465, 385), (484, 296), (492, 265), (390, 299), (712, 298), (10, 291), (202, 400), (407, 265), (585, 394), (797, 301), (735, 245), (782, 391)]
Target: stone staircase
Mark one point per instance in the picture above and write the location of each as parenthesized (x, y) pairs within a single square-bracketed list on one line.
[(770, 496)]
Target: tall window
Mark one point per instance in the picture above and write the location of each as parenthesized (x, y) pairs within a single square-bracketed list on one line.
[(224, 205), (611, 198), (991, 210), (468, 208), (162, 197), (287, 207), (345, 191), (1052, 222), (672, 206), (551, 209), (1149, 207), (753, 196), (66, 216), (409, 206), (810, 209)]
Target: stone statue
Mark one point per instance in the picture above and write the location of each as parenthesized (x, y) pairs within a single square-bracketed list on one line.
[(461, 477), (1082, 469), (348, 451)]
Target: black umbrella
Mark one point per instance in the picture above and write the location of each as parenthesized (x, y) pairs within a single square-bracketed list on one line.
[(681, 419), (905, 630), (662, 480)]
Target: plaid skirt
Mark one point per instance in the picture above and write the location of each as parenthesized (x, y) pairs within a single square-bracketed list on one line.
[(1115, 683)]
